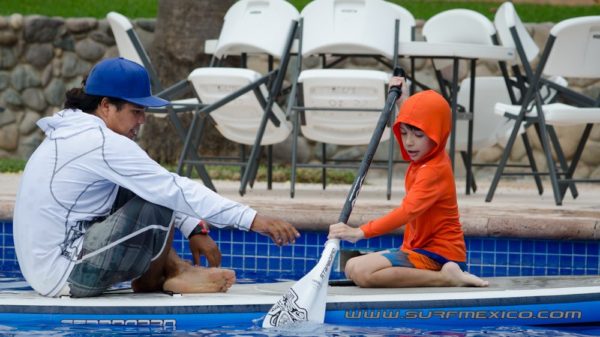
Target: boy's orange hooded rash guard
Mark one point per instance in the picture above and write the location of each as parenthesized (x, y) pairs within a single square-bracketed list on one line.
[(429, 209)]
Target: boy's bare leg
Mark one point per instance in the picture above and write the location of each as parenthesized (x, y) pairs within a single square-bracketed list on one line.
[(375, 271)]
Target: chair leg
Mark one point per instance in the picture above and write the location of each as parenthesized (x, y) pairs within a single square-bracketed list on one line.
[(471, 184), (390, 164), (255, 168), (532, 164), (562, 162), (544, 138), (183, 135), (270, 168), (504, 158), (295, 133), (253, 160), (578, 153), (323, 162)]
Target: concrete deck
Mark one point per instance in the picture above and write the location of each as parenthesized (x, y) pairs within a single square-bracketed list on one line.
[(516, 210)]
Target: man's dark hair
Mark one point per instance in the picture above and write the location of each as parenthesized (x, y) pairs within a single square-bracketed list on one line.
[(76, 98)]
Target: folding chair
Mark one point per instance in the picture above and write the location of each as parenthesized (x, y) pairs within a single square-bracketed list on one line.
[(342, 106), (461, 27), (571, 42), (130, 47), (510, 30), (241, 101)]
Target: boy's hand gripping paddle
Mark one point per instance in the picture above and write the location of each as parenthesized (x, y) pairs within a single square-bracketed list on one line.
[(307, 298)]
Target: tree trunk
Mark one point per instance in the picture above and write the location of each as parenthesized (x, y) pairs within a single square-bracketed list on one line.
[(182, 27)]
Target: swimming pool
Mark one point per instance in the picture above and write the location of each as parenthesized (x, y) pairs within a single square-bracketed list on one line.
[(255, 259)]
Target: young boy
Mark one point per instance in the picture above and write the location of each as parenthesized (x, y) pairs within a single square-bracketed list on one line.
[(433, 251)]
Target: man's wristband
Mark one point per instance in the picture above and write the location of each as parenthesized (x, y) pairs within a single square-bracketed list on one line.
[(200, 229)]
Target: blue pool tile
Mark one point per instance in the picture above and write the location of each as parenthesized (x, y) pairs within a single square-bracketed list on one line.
[(526, 271), (539, 260), (474, 244), (527, 259), (250, 263), (527, 246), (514, 259), (514, 246), (540, 247), (553, 260), (553, 247), (579, 248), (566, 248), (488, 258), (489, 245), (566, 261), (487, 271), (501, 258), (514, 271), (501, 245)]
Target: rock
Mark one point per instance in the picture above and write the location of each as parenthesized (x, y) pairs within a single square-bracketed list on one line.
[(33, 98), (55, 92), (8, 38), (591, 154), (41, 29), (9, 137), (28, 125), (10, 97), (24, 76), (80, 25), (4, 80), (39, 55), (89, 50), (16, 21), (8, 58), (7, 117)]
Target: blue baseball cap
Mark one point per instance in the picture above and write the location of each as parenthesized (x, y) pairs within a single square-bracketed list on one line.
[(123, 79)]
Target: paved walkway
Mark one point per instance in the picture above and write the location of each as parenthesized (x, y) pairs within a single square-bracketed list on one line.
[(516, 211)]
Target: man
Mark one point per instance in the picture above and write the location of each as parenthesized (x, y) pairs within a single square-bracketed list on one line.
[(94, 210)]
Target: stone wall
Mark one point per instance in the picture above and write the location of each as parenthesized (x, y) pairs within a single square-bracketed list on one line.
[(42, 57)]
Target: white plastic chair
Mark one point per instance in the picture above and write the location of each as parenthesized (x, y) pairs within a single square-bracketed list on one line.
[(342, 106), (241, 101), (131, 48), (460, 27), (572, 51)]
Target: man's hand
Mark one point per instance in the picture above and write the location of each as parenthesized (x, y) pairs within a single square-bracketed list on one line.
[(205, 245), (281, 232), (342, 231)]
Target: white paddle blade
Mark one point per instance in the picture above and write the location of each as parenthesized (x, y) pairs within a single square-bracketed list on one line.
[(306, 299)]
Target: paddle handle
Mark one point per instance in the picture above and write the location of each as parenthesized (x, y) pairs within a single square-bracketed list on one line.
[(393, 94)]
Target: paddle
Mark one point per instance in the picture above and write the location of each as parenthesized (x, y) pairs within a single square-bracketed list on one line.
[(306, 299)]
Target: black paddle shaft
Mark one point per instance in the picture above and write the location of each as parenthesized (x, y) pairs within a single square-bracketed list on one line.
[(394, 93)]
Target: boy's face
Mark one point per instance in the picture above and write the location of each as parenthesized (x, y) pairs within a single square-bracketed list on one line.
[(416, 143)]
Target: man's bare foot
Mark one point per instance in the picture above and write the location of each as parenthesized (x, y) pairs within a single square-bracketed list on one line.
[(195, 279), (460, 278)]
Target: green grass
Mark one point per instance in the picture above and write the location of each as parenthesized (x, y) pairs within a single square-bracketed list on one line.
[(8, 165), (421, 9), (280, 173)]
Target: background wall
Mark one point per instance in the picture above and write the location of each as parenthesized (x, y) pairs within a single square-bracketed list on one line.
[(42, 57)]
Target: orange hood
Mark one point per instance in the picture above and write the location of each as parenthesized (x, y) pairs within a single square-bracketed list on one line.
[(430, 112)]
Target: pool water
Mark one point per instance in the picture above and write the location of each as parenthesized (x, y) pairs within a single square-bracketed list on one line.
[(10, 282), (256, 259)]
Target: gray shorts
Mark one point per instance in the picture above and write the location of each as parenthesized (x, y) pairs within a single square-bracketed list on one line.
[(121, 246)]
